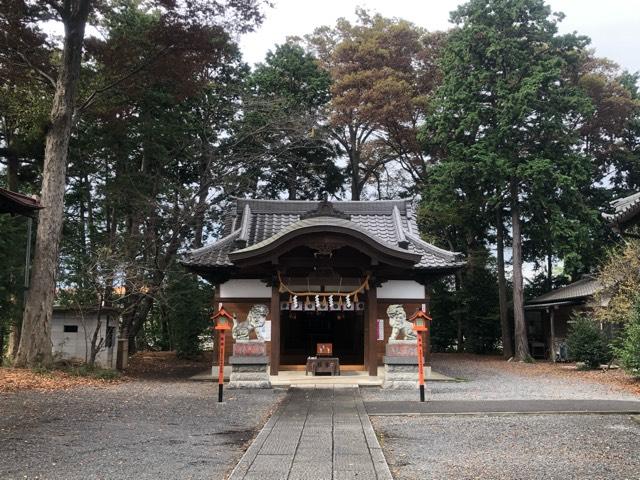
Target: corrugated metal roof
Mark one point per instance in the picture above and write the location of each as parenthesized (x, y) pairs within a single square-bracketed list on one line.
[(270, 219), (585, 287)]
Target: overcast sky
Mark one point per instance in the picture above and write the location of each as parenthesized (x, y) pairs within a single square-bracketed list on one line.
[(612, 25)]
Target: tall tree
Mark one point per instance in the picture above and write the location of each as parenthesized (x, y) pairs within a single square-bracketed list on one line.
[(35, 342), (180, 38), (284, 113), (508, 108), (383, 72)]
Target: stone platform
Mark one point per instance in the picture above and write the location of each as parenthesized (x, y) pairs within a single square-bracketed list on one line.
[(249, 365)]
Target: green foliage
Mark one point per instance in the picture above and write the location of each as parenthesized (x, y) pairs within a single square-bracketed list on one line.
[(283, 118), (93, 372), (586, 342), (186, 311), (13, 239), (627, 350), (473, 307)]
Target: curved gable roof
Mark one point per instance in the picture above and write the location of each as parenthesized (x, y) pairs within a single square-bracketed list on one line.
[(388, 224), (322, 224)]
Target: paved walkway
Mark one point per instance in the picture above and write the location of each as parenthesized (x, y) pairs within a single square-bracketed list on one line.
[(316, 434), (470, 407)]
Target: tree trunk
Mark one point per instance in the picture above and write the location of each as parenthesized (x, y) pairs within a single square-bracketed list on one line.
[(13, 165), (1, 343), (522, 343), (459, 319), (549, 271), (35, 339), (507, 348)]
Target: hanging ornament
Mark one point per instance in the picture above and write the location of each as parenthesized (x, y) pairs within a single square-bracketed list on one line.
[(348, 302), (317, 299), (331, 302), (295, 301)]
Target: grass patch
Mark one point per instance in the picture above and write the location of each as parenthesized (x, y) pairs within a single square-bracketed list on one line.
[(93, 372), (81, 370)]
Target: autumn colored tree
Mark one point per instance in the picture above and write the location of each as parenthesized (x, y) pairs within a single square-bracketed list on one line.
[(383, 72)]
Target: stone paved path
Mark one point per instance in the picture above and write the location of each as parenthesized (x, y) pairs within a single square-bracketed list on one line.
[(316, 434)]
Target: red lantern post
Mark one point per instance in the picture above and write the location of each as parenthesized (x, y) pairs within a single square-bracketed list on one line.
[(420, 326), (221, 320)]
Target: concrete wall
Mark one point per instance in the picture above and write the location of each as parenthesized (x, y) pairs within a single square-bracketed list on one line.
[(77, 345)]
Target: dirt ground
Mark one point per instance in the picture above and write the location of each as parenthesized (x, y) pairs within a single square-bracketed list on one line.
[(614, 378), (513, 446), (151, 425)]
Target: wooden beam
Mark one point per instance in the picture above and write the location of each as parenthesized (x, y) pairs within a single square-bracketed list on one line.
[(427, 335), (371, 336), (552, 327), (275, 329)]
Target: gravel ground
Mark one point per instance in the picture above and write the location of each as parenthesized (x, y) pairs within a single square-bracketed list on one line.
[(138, 429), (597, 447), (487, 379)]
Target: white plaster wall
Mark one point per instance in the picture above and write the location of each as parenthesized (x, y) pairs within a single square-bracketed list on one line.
[(71, 345), (401, 289), (244, 288)]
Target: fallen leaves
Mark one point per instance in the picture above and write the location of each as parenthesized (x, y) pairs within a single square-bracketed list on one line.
[(614, 378), (19, 379)]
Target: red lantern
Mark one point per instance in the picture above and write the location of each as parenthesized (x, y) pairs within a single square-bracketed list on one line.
[(420, 322), (222, 321)]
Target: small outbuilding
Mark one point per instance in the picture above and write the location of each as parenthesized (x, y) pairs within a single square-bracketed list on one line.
[(72, 331), (549, 315)]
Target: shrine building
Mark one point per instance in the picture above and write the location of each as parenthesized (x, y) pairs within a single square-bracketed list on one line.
[(327, 271)]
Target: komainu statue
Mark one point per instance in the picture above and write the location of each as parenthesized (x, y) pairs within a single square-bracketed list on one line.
[(399, 323), (255, 320)]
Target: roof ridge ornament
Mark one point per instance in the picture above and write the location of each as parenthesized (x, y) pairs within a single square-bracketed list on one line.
[(325, 208)]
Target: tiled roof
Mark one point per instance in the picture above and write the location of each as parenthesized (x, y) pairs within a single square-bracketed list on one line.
[(624, 210), (267, 220), (17, 203), (585, 287)]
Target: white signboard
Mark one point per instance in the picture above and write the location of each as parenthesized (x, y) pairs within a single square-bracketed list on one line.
[(265, 330), (380, 327)]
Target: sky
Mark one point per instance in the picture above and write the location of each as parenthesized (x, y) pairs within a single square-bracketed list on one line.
[(612, 25)]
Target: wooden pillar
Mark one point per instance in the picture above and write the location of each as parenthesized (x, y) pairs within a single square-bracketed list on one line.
[(275, 329), (372, 315), (552, 328), (427, 334)]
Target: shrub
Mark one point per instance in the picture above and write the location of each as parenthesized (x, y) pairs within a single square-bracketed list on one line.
[(628, 350), (586, 343)]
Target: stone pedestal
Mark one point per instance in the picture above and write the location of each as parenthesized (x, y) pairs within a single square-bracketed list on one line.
[(401, 364), (249, 365)]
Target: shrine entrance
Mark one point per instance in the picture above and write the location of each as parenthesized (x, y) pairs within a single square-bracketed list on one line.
[(302, 331)]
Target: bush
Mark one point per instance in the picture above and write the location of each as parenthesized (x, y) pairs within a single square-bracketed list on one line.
[(587, 344), (628, 350)]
